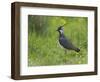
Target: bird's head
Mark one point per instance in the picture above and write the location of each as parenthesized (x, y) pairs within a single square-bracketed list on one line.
[(60, 29)]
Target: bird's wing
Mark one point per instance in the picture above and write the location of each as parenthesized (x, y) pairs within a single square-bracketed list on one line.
[(66, 43)]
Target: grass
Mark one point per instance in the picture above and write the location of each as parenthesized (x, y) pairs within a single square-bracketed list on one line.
[(43, 47)]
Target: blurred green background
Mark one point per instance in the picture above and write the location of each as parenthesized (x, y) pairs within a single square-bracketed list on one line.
[(43, 47)]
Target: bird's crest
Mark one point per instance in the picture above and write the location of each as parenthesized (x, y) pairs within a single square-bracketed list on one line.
[(61, 27)]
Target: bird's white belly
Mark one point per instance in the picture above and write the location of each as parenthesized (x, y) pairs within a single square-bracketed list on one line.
[(59, 44)]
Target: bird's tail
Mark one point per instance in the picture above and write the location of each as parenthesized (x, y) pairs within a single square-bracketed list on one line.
[(77, 49)]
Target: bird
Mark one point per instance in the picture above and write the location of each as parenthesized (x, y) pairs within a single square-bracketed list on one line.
[(64, 41)]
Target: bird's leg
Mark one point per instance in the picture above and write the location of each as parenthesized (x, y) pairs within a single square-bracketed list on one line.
[(65, 51)]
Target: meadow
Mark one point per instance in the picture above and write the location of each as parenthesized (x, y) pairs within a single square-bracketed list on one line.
[(43, 47)]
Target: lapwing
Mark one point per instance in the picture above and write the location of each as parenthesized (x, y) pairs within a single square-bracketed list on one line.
[(64, 41)]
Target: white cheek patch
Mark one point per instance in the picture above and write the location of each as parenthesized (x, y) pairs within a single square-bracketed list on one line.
[(61, 31)]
